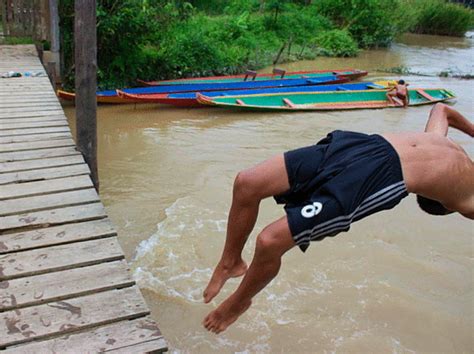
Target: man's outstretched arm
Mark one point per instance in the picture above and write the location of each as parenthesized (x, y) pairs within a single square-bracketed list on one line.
[(442, 117)]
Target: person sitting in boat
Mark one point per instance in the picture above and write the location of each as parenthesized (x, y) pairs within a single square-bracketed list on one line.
[(398, 95), (325, 187)]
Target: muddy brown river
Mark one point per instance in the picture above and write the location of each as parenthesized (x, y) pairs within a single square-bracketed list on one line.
[(399, 282)]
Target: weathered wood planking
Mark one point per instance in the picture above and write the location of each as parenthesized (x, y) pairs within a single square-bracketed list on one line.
[(36, 145), (56, 235), (52, 217), (44, 174), (36, 164), (35, 137), (38, 154), (39, 113), (64, 284), (26, 112), (55, 258), (19, 107), (17, 98), (43, 202), (123, 335), (15, 105), (30, 125), (11, 191), (36, 131), (32, 119), (71, 315)]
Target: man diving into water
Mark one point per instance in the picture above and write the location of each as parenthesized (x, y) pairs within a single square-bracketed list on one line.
[(325, 187)]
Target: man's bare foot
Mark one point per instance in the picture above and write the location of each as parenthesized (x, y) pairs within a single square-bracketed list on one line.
[(220, 276), (226, 314)]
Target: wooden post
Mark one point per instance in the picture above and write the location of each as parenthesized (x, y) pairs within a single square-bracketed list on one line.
[(51, 69), (85, 36), (54, 23)]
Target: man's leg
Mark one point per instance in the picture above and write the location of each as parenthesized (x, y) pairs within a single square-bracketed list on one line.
[(272, 243), (250, 187), (389, 98)]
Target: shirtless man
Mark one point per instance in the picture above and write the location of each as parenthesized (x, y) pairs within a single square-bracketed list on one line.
[(399, 94), (325, 187)]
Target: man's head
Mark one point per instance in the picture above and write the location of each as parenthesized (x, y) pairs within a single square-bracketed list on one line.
[(432, 206), (401, 82)]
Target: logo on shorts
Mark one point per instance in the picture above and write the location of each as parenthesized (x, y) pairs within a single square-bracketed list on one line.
[(311, 210)]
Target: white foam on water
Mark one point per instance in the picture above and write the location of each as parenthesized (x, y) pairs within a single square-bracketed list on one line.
[(398, 348)]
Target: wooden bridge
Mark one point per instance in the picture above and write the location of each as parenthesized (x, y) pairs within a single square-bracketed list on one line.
[(65, 286)]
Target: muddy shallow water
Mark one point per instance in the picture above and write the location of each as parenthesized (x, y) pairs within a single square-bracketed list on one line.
[(399, 281)]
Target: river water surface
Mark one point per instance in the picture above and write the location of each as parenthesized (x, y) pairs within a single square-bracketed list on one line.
[(400, 281)]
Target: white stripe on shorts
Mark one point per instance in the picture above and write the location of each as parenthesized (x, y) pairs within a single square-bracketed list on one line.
[(342, 222)]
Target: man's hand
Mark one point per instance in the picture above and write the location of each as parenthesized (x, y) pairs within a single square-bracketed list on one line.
[(442, 117)]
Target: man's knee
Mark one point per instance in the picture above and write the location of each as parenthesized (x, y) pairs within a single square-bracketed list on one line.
[(246, 186), (439, 108), (269, 242)]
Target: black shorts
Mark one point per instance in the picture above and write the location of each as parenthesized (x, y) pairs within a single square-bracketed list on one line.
[(343, 178)]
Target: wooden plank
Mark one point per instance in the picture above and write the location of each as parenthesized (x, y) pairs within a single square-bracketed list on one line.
[(37, 164), (56, 235), (43, 202), (25, 84), (156, 346), (425, 95), (33, 119), (69, 316), (25, 89), (31, 291), (24, 132), (11, 191), (18, 92), (27, 95), (31, 100), (36, 145), (38, 154), (121, 335), (26, 125), (31, 114), (7, 103), (37, 97), (46, 104), (5, 112), (35, 137), (44, 174), (56, 258), (52, 217)]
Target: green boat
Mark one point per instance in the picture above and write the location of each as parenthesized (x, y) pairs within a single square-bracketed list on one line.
[(325, 101)]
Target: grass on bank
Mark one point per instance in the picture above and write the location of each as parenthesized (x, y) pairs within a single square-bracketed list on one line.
[(17, 40), (440, 17)]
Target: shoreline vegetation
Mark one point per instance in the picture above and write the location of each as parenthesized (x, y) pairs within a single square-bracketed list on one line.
[(159, 39)]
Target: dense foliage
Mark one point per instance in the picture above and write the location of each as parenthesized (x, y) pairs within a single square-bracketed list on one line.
[(159, 39), (440, 17)]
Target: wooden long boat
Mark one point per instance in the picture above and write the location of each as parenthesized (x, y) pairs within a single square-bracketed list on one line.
[(189, 99), (324, 101), (109, 99), (351, 74), (111, 96)]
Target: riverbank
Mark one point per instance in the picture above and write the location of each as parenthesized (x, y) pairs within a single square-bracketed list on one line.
[(151, 41)]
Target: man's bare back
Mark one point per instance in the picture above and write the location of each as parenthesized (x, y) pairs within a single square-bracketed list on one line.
[(437, 168)]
